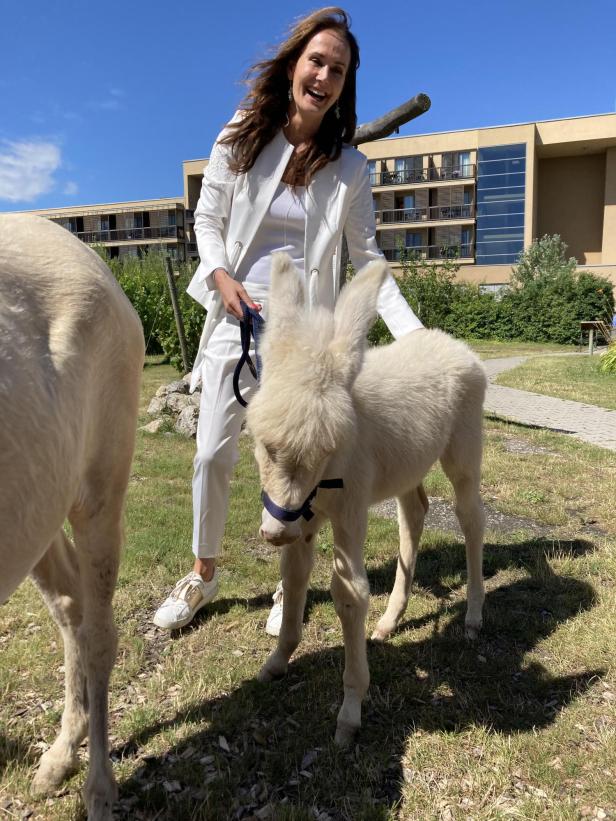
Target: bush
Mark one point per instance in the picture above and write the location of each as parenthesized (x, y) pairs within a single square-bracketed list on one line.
[(144, 281), (547, 299), (607, 360)]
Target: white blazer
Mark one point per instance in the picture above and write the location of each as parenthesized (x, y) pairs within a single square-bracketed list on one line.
[(338, 200)]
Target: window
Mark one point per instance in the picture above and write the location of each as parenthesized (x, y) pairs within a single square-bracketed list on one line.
[(171, 218), (372, 172), (413, 239), (501, 189)]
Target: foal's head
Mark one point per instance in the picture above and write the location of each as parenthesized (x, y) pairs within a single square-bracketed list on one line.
[(303, 411)]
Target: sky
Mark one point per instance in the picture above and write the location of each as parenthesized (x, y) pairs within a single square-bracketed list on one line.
[(101, 102)]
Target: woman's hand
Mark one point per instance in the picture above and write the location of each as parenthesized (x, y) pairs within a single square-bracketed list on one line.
[(232, 292)]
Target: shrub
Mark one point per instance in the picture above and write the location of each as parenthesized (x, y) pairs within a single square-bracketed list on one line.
[(144, 281), (607, 360)]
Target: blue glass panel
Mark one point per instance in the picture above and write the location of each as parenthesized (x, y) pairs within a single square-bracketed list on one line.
[(501, 166), (501, 181), (508, 206), (502, 152), (499, 234), (496, 259), (502, 195), (509, 247), (501, 220)]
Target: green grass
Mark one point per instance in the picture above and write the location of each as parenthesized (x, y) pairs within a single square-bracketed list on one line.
[(567, 377), (520, 724), (492, 348)]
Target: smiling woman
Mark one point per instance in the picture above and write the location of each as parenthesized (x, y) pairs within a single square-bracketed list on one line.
[(280, 178)]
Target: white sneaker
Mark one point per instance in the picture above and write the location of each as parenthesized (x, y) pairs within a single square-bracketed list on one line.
[(186, 599), (274, 620)]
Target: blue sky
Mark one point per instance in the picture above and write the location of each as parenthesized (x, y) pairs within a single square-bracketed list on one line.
[(101, 102)]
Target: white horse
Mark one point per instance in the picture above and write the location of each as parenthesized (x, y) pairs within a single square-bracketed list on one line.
[(71, 357), (377, 420)]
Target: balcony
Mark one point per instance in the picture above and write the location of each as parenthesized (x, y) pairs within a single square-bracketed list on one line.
[(435, 252), (189, 216), (423, 175), (191, 249), (128, 234), (435, 212)]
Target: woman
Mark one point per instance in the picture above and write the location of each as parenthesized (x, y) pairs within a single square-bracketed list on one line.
[(279, 178)]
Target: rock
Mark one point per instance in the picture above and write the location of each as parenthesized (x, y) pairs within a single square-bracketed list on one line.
[(157, 406), (186, 423), (176, 402), (153, 427)]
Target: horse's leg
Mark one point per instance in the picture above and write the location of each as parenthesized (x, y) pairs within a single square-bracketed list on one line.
[(412, 508), (350, 591), (57, 577), (461, 462), (296, 564)]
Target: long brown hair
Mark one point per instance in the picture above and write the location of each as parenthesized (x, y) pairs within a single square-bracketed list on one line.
[(266, 104)]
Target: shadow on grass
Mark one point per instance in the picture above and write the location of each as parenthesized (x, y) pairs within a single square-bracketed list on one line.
[(279, 736)]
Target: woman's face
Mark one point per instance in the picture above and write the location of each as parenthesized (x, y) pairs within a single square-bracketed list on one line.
[(317, 79)]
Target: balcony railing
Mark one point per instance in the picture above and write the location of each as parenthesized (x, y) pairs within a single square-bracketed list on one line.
[(411, 176), (429, 252), (435, 212), (126, 234), (191, 249)]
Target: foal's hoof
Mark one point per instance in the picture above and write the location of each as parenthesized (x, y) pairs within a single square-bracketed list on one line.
[(345, 735), (274, 668), (50, 775), (471, 631), (380, 635)]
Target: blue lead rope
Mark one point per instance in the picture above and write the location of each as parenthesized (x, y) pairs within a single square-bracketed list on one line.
[(252, 325)]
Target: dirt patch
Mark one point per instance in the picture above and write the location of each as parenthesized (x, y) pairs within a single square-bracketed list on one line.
[(441, 516), (513, 444)]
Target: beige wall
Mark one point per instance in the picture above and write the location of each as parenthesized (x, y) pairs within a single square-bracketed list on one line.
[(570, 195), (609, 209)]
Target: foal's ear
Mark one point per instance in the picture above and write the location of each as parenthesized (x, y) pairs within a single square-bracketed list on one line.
[(287, 296), (356, 308), (355, 312)]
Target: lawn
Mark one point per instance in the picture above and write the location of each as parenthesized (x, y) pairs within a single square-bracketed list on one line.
[(493, 348), (567, 377), (520, 724)]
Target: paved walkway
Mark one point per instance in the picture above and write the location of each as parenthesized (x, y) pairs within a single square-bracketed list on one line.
[(586, 422)]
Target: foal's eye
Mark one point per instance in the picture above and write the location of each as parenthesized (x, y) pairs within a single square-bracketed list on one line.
[(271, 452)]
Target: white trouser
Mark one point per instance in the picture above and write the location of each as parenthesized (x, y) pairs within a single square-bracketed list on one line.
[(218, 431)]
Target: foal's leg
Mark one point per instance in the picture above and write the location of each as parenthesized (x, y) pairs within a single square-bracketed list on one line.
[(296, 564), (461, 462), (98, 536), (350, 591), (412, 508), (57, 577)]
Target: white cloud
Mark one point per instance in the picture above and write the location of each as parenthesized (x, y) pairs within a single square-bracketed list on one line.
[(71, 188), (27, 169)]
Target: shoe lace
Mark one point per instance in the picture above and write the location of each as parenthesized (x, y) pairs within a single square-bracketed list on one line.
[(184, 586)]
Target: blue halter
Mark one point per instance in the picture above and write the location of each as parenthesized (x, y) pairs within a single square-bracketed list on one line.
[(283, 514)]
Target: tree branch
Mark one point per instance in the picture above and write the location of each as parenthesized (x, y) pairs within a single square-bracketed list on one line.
[(387, 124)]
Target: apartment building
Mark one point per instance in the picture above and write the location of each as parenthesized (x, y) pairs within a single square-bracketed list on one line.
[(481, 196), (127, 228), (478, 196)]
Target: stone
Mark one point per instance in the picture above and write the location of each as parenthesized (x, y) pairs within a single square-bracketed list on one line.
[(153, 427), (157, 406), (176, 402), (186, 423)]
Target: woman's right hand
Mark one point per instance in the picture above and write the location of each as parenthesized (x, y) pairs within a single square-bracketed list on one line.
[(232, 292)]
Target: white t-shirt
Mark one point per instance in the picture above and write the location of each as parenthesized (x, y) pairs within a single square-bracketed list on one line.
[(282, 229)]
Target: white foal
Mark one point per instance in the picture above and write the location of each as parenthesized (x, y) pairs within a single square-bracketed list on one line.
[(328, 409)]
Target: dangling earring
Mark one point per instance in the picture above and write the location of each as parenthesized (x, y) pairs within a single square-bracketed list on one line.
[(290, 95), (286, 122), (337, 111)]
